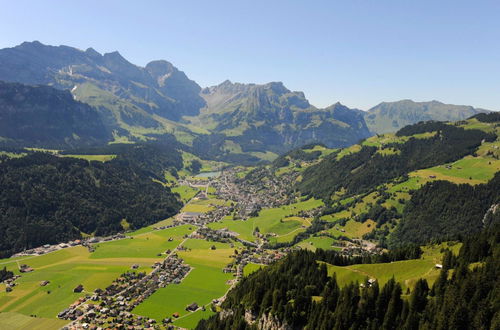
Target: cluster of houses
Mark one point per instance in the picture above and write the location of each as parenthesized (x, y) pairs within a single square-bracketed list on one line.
[(262, 190), (10, 283), (253, 255), (54, 247), (221, 235), (111, 307)]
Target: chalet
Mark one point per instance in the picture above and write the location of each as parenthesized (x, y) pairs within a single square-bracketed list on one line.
[(78, 289), (439, 266), (191, 308), (25, 269)]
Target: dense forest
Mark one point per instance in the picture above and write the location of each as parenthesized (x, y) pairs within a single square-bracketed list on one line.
[(42, 116), (443, 210), (362, 171), (47, 199), (297, 293), (491, 117)]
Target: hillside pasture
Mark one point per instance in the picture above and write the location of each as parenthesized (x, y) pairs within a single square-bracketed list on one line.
[(317, 242), (98, 158), (352, 229), (185, 192), (470, 170), (279, 221)]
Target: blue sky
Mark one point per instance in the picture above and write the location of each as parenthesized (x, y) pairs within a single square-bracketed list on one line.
[(357, 52)]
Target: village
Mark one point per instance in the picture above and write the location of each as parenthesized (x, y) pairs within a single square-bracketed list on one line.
[(112, 307)]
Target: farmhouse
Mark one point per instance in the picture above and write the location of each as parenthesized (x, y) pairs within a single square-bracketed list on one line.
[(78, 289), (192, 307), (25, 269)]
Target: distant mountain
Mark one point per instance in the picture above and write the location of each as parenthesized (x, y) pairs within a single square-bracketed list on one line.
[(42, 116), (271, 117), (391, 116), (130, 95), (147, 102)]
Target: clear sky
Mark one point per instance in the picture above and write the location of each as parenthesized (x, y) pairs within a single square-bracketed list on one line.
[(357, 52)]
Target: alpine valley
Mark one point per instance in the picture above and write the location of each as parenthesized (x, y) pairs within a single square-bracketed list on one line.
[(131, 198)]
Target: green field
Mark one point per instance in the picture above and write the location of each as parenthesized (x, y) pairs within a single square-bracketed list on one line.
[(99, 158), (407, 272), (471, 170), (185, 192), (279, 221), (251, 267), (146, 245), (147, 229), (205, 282), (11, 321), (317, 242), (67, 268)]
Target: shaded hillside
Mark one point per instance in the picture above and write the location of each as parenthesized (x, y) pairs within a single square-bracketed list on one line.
[(391, 116), (271, 117), (41, 116), (46, 199), (441, 210)]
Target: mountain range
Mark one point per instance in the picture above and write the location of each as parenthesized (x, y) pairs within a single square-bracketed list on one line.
[(391, 116), (143, 103)]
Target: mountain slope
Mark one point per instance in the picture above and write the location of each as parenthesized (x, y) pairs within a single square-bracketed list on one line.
[(147, 102), (391, 116), (271, 117), (158, 89), (429, 181), (41, 116)]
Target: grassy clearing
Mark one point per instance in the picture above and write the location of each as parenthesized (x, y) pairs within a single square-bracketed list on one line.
[(11, 321), (185, 192), (12, 154), (99, 158), (345, 276), (279, 221), (251, 268), (318, 242), (471, 170), (147, 229), (407, 272), (243, 228), (205, 282), (347, 151), (352, 229)]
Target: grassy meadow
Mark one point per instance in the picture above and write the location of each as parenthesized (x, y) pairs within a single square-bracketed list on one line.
[(67, 268), (205, 282), (281, 221)]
